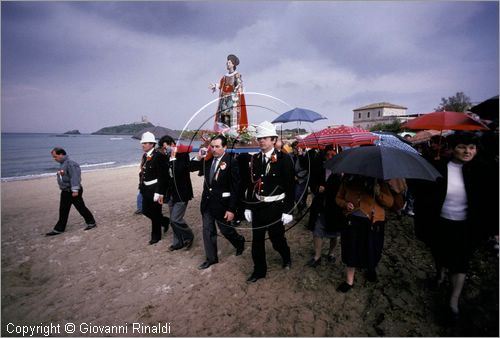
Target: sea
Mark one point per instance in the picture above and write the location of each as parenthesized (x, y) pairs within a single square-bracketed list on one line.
[(27, 155)]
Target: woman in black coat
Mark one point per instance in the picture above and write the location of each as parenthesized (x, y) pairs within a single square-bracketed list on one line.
[(451, 213)]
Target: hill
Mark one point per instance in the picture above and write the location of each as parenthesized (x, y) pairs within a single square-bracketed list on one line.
[(123, 129)]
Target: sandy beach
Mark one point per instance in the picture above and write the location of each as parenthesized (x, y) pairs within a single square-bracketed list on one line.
[(110, 276)]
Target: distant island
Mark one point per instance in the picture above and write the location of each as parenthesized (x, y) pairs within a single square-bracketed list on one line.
[(124, 129), (73, 132)]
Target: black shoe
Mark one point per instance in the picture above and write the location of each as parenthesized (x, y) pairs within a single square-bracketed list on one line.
[(153, 241), (240, 249), (175, 247), (313, 262), (90, 226), (331, 259), (453, 317), (344, 287), (188, 244), (206, 264), (253, 278), (166, 222), (287, 265), (53, 233), (138, 212), (371, 276)]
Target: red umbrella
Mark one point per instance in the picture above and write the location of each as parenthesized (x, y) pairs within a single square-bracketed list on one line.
[(342, 136), (445, 120)]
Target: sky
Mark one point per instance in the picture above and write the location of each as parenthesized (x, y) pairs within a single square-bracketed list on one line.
[(88, 65)]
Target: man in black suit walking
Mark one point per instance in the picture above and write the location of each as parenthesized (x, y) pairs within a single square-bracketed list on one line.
[(270, 200), (179, 193), (219, 199), (153, 181)]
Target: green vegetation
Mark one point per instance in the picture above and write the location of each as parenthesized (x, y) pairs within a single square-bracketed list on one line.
[(123, 129), (394, 127), (459, 103)]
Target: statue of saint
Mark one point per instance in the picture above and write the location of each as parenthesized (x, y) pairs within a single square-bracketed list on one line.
[(231, 110)]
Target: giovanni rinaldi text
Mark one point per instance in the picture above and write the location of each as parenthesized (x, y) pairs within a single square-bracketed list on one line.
[(85, 328)]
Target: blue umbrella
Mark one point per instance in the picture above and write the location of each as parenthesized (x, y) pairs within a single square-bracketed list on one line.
[(299, 114), (386, 140)]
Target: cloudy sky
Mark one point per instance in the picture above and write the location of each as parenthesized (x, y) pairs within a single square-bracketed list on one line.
[(86, 65)]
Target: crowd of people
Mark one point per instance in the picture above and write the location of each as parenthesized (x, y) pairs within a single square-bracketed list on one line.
[(452, 215)]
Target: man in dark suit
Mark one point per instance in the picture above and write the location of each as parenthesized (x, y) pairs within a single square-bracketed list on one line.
[(219, 199), (153, 181), (270, 199), (179, 193)]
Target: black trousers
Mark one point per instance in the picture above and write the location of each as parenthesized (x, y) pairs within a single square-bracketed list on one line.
[(210, 236), (266, 217), (153, 211), (65, 205)]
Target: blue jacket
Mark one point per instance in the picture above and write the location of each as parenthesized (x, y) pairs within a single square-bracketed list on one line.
[(69, 175)]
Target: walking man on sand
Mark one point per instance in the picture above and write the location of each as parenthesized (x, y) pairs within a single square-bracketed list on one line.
[(270, 200), (179, 193), (219, 199), (69, 180)]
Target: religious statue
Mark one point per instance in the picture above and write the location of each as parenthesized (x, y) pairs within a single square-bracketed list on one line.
[(231, 110)]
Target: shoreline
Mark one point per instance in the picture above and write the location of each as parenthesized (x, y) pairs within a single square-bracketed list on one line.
[(45, 175)]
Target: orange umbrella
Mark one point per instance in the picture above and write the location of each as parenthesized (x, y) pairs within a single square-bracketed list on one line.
[(445, 120), (425, 135)]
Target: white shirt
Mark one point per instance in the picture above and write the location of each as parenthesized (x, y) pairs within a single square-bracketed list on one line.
[(455, 203), (268, 155)]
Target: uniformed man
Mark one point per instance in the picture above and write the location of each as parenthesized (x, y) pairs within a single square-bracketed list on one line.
[(153, 181), (219, 199), (270, 200)]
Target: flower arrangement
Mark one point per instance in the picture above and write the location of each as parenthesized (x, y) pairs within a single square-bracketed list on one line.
[(234, 135)]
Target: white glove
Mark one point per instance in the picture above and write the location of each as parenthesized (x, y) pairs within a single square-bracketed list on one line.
[(156, 197), (286, 218), (248, 215)]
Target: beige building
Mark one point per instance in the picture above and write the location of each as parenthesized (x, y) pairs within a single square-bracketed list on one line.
[(375, 113)]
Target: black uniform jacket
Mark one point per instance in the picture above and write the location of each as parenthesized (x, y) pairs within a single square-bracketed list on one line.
[(154, 167), (277, 180)]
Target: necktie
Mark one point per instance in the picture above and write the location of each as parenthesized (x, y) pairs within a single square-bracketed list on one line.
[(212, 169)]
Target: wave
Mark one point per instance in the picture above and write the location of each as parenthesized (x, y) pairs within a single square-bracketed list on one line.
[(96, 164), (38, 176)]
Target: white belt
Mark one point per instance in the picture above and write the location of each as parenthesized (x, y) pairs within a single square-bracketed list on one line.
[(150, 182), (270, 198)]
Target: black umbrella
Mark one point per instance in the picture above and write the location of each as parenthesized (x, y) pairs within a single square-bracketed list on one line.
[(383, 163), (158, 132), (487, 110)]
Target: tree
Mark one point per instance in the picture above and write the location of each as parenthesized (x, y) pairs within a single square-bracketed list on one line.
[(460, 103), (394, 126)]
